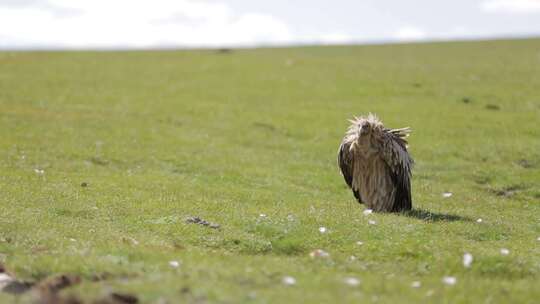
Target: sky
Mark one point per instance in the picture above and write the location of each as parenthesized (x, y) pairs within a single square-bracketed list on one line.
[(125, 24)]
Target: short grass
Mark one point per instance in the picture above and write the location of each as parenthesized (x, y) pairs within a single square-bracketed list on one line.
[(159, 136)]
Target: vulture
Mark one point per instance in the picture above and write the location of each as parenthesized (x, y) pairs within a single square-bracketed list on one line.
[(376, 165)]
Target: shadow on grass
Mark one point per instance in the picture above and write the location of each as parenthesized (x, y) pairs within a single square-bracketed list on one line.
[(429, 216)]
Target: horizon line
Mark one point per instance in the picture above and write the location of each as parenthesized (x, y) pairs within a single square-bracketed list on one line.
[(271, 45)]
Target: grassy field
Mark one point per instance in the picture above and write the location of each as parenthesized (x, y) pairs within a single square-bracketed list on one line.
[(105, 155)]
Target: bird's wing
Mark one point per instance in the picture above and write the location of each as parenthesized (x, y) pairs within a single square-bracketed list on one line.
[(345, 163), (394, 153)]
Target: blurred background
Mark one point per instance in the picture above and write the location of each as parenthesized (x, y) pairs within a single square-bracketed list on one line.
[(125, 24)]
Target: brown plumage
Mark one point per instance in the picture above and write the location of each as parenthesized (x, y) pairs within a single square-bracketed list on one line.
[(376, 165)]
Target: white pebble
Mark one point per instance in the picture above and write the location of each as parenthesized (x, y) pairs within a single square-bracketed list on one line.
[(449, 280), (322, 229), (467, 260), (479, 220), (447, 194), (174, 264), (416, 284), (372, 222), (505, 251), (4, 277), (288, 280), (352, 281), (368, 212), (319, 253)]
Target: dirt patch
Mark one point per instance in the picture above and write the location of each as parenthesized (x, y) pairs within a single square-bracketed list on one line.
[(525, 163), (48, 290), (507, 191), (493, 107), (224, 51), (199, 221), (59, 282), (17, 287), (266, 126), (98, 161), (118, 298), (9, 284)]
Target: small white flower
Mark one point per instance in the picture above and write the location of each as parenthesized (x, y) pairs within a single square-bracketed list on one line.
[(73, 240), (352, 258), (372, 222), (447, 194), (39, 171), (538, 238), (319, 253), (352, 281), (359, 243), (174, 264), (322, 229), (467, 260), (449, 280), (262, 215), (416, 284), (505, 251), (287, 280), (479, 220), (368, 212)]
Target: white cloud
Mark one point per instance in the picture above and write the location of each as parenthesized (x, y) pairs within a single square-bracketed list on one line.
[(511, 6), (335, 38), (410, 33), (124, 23)]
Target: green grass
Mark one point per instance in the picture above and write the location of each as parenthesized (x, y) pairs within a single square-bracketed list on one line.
[(159, 136)]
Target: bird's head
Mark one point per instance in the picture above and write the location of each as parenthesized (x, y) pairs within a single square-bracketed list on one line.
[(362, 130)]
